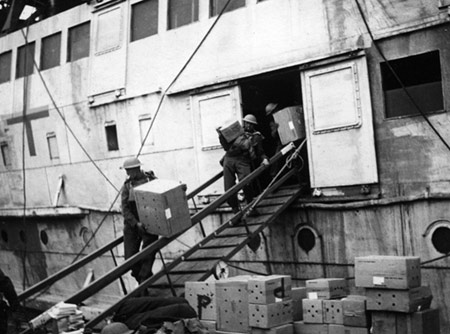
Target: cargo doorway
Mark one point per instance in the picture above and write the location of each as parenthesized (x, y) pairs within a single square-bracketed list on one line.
[(282, 88)]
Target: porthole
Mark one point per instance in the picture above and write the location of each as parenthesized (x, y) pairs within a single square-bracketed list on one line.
[(44, 237), (306, 237), (441, 239)]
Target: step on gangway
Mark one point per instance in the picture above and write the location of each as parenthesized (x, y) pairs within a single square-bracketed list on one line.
[(225, 242)]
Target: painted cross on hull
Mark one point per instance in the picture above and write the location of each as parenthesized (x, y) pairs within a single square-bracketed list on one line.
[(36, 113)]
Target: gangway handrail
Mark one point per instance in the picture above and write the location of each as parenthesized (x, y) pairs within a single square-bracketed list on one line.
[(177, 261), (97, 253), (116, 272)]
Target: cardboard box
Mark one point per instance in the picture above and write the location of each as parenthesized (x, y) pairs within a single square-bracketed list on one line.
[(301, 327), (162, 207), (282, 329), (269, 289), (423, 322), (291, 124), (399, 300), (270, 315), (202, 297), (354, 309), (387, 272), (326, 288), (232, 304), (298, 294), (313, 311), (230, 130), (333, 313)]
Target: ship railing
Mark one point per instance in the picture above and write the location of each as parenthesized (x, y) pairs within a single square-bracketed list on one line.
[(122, 269)]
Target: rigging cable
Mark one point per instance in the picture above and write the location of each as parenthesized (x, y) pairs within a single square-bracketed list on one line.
[(148, 131), (397, 77), (179, 74), (64, 119)]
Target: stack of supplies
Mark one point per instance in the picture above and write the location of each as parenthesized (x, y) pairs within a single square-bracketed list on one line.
[(398, 302)]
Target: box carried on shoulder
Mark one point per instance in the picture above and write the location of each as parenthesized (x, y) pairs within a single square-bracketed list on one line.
[(291, 124), (162, 207), (231, 130)]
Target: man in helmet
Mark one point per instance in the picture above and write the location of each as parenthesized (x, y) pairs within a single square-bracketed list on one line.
[(241, 154), (134, 233)]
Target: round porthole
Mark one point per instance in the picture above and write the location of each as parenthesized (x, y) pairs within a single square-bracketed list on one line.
[(4, 236), (44, 237), (306, 238), (441, 239)]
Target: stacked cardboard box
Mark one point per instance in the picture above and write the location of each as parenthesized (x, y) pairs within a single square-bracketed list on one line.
[(399, 304), (329, 310), (245, 304)]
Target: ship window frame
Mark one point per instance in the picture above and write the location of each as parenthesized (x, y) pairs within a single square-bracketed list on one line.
[(112, 139), (138, 16), (105, 39), (28, 68), (6, 154), (214, 6), (174, 5), (143, 130), (50, 62), (52, 144), (78, 46), (415, 72), (5, 66)]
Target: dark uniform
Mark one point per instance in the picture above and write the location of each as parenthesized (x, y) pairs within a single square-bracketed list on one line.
[(133, 236), (8, 291), (238, 161)]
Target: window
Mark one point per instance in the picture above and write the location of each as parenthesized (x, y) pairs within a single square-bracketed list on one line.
[(182, 12), (51, 51), (144, 19), (25, 60), (144, 124), (78, 42), (109, 30), (216, 6), (111, 137), (52, 146), (6, 154), (5, 66), (421, 76)]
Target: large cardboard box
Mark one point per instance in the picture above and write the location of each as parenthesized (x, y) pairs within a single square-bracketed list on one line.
[(202, 297), (354, 309), (270, 315), (282, 329), (422, 322), (230, 130), (399, 300), (301, 327), (298, 294), (387, 272), (291, 124), (232, 304), (326, 288), (269, 289), (333, 312), (162, 207), (313, 311)]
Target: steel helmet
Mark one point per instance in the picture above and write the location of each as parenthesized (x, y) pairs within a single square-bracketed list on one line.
[(250, 119), (131, 163), (270, 108), (115, 328)]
